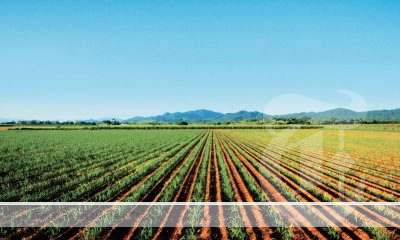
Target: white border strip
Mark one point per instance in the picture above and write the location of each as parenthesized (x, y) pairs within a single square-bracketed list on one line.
[(199, 203)]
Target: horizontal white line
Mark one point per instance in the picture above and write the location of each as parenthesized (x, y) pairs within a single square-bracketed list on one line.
[(200, 203)]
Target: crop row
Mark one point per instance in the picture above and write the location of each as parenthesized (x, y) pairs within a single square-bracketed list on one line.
[(194, 166)]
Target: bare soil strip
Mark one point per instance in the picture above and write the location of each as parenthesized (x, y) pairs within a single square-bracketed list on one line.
[(223, 230), (184, 194), (242, 193), (206, 231)]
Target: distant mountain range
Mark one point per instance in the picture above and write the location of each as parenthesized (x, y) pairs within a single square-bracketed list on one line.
[(346, 114), (204, 115), (201, 115)]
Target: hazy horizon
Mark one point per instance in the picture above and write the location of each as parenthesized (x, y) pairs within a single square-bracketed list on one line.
[(81, 60), (145, 116)]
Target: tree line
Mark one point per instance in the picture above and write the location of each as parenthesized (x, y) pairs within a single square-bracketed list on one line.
[(273, 121)]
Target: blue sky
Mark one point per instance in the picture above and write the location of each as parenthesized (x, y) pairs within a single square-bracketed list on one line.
[(88, 59)]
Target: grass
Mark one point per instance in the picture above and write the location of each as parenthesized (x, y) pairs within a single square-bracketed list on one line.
[(104, 165)]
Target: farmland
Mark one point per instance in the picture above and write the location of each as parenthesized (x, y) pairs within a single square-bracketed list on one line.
[(205, 165)]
